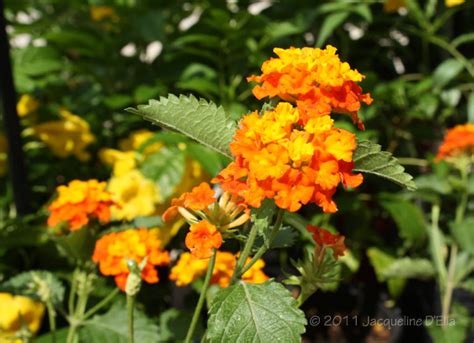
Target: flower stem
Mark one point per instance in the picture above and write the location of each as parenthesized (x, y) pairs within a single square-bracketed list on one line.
[(52, 319), (102, 303), (244, 254), (130, 308), (448, 294), (263, 249), (202, 297)]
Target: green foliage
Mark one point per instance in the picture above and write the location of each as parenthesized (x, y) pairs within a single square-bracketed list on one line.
[(262, 218), (408, 268), (464, 234), (369, 159), (174, 324), (166, 168), (455, 330), (258, 313), (112, 327), (39, 284), (78, 245), (382, 260), (200, 120)]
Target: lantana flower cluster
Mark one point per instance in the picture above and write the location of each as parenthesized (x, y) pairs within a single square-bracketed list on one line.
[(190, 268), (80, 202), (458, 141), (294, 154), (114, 250)]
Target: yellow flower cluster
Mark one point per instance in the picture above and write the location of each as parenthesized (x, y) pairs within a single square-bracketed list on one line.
[(69, 136), (15, 312), (100, 13), (190, 268), (26, 105)]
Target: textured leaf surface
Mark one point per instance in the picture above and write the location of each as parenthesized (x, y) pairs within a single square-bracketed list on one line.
[(38, 284), (370, 159), (196, 118), (111, 327), (255, 313)]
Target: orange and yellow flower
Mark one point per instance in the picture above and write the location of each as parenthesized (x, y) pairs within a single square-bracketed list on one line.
[(316, 80), (189, 268), (458, 141), (324, 238), (202, 239), (278, 158), (113, 251), (79, 202)]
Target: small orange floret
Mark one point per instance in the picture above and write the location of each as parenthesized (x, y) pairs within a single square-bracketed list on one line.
[(189, 268), (324, 238), (79, 202), (458, 140), (198, 199), (202, 238), (278, 158), (314, 79), (113, 250)]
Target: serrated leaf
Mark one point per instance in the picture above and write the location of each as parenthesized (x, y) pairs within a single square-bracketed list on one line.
[(255, 313), (418, 268), (166, 168), (38, 284), (198, 119), (111, 327), (284, 238), (262, 219), (370, 159)]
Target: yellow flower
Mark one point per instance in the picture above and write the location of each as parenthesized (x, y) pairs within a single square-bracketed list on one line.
[(393, 5), (26, 105), (452, 3), (100, 13), (68, 136), (16, 310), (135, 196), (136, 139), (3, 156), (122, 162)]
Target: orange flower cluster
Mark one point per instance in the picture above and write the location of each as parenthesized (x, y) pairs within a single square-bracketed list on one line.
[(189, 268), (208, 218), (277, 157), (315, 80), (79, 202), (458, 140), (324, 238), (113, 250)]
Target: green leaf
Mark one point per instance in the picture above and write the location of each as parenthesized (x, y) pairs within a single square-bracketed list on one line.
[(408, 217), (60, 335), (464, 38), (284, 238), (381, 260), (196, 118), (36, 61), (470, 107), (456, 329), (418, 268), (148, 222), (166, 168), (262, 219), (464, 234), (209, 159), (78, 245), (446, 71), (433, 183), (330, 23), (255, 313), (369, 159), (468, 285), (39, 284), (111, 327)]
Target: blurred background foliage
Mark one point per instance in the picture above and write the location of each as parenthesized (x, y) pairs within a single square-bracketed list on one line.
[(78, 64)]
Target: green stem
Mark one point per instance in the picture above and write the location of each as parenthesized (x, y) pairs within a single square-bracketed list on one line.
[(52, 319), (435, 244), (461, 208), (202, 297), (263, 249), (130, 308), (101, 304), (245, 253), (448, 294), (72, 292), (77, 316)]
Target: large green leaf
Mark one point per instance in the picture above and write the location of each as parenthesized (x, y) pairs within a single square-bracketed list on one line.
[(111, 327), (255, 313), (418, 268), (196, 118), (370, 159), (39, 284), (166, 168)]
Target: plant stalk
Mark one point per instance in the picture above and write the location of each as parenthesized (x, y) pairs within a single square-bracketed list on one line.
[(130, 310)]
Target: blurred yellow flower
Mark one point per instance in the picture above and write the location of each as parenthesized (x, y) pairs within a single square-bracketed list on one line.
[(100, 13), (68, 136), (3, 156), (122, 162), (393, 5), (136, 139), (26, 105), (16, 310), (451, 3), (135, 195)]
